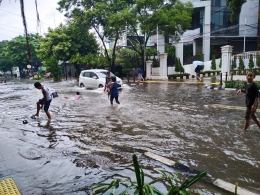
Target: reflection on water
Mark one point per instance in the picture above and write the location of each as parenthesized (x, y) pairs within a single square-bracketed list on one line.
[(88, 141)]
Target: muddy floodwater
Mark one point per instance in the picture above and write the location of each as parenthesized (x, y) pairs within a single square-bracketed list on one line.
[(89, 141)]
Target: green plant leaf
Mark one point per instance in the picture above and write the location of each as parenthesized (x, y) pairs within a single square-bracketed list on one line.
[(181, 192), (156, 191), (163, 173), (127, 189), (236, 188), (142, 177), (112, 185), (137, 172), (100, 184), (190, 182)]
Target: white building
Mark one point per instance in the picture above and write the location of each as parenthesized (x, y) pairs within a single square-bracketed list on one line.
[(211, 29)]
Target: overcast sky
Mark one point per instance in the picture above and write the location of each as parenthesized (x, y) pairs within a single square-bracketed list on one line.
[(11, 24)]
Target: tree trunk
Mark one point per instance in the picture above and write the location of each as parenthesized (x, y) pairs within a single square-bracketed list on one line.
[(77, 72)]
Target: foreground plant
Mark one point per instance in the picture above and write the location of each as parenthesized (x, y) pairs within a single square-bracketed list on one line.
[(142, 188)]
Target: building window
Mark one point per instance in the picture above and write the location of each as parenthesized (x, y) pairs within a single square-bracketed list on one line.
[(220, 3)]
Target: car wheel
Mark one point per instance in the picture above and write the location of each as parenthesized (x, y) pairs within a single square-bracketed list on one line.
[(81, 85), (100, 86)]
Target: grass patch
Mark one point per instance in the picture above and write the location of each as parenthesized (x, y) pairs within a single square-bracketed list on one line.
[(239, 84)]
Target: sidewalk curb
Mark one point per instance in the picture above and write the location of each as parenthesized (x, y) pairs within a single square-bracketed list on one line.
[(218, 182)]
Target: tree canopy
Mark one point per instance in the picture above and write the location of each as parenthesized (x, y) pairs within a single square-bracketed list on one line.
[(5, 63), (13, 53), (72, 43), (116, 18), (235, 6)]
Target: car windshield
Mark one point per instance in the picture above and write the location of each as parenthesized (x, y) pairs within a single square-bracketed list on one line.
[(105, 73), (101, 74)]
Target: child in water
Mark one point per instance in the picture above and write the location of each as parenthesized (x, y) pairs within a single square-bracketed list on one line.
[(252, 96), (114, 91), (78, 96)]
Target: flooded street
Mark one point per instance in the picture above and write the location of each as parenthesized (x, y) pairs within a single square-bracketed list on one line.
[(88, 141)]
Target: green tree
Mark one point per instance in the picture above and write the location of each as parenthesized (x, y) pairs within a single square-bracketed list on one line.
[(220, 63), (5, 63), (128, 59), (213, 63), (258, 60), (106, 18), (71, 43), (180, 66), (134, 18), (200, 57), (251, 64), (148, 16), (235, 6), (234, 63), (177, 65), (241, 65), (15, 53), (170, 50)]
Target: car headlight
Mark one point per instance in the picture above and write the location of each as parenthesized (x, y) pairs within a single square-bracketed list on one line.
[(119, 82)]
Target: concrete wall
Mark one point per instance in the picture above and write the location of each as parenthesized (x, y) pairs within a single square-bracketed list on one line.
[(190, 68), (155, 71)]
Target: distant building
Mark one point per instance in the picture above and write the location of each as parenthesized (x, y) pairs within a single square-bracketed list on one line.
[(211, 29)]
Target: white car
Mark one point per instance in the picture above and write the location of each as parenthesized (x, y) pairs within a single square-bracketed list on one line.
[(95, 78)]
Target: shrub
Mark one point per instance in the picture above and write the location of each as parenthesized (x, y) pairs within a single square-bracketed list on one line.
[(251, 64), (140, 187), (177, 67), (241, 65), (180, 66), (213, 63), (258, 60), (239, 84), (234, 63)]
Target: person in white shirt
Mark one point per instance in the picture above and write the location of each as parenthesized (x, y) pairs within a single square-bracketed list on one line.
[(45, 101)]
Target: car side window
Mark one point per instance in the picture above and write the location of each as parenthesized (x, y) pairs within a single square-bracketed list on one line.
[(92, 74), (86, 74)]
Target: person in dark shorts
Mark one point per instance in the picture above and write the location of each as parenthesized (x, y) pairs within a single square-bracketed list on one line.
[(114, 91), (198, 71), (252, 96), (45, 101)]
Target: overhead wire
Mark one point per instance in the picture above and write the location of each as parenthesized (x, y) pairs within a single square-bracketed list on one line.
[(5, 36), (9, 30), (26, 17)]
